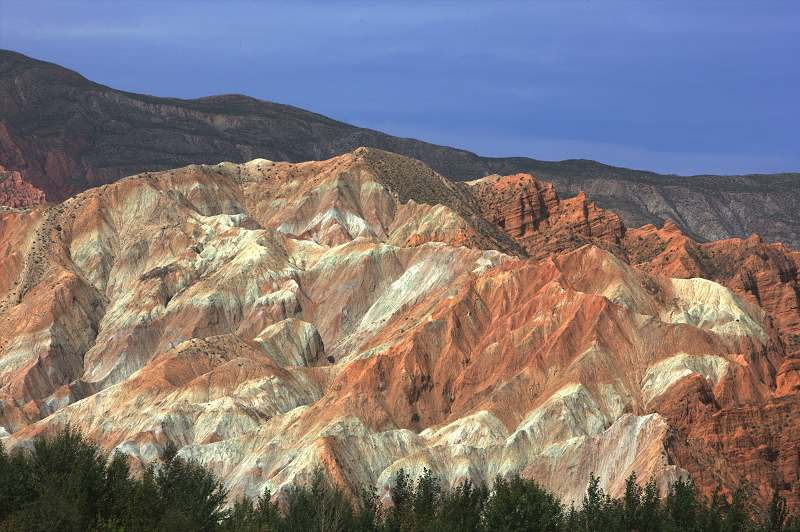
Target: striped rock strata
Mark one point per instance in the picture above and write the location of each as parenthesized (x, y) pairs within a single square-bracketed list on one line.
[(366, 315)]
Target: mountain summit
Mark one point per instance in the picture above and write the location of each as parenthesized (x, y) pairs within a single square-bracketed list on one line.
[(66, 134)]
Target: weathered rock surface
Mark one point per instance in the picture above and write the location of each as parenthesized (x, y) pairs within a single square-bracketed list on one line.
[(67, 134), (764, 274), (365, 314), (17, 193), (531, 212)]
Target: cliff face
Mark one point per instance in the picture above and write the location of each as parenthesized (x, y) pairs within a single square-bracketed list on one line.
[(67, 134), (15, 192), (366, 314), (530, 211)]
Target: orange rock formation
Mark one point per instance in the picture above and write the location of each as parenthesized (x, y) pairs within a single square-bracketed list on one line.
[(366, 314)]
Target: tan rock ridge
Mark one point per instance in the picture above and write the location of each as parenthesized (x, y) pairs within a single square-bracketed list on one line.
[(366, 314)]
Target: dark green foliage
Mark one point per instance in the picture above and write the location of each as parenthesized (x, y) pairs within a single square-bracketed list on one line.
[(426, 501), (776, 513), (320, 507), (632, 504), (369, 513), (649, 516), (191, 498), (682, 505), (402, 492), (63, 480), (462, 508), (520, 504), (16, 486), (248, 517), (65, 483), (415, 507), (596, 512)]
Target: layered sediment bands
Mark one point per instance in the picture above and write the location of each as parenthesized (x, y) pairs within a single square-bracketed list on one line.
[(531, 212), (372, 194), (749, 266), (365, 314), (763, 274)]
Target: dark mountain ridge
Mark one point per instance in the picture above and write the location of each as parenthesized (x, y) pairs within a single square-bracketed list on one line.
[(65, 134)]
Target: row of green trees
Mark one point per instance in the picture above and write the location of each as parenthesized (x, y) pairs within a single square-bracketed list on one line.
[(65, 483)]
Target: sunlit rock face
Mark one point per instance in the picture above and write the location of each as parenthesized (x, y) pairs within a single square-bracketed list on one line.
[(530, 211), (366, 315), (761, 273)]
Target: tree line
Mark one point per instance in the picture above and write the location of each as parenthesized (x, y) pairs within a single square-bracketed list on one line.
[(66, 483)]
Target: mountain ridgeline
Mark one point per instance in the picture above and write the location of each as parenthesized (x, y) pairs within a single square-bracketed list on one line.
[(66, 134)]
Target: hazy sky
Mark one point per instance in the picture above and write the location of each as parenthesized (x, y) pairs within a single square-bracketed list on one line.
[(681, 87)]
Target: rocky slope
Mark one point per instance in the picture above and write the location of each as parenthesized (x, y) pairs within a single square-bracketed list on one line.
[(530, 211), (67, 134), (366, 314), (15, 192), (708, 433)]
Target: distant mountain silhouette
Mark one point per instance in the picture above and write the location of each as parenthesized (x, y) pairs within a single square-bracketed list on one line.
[(65, 134)]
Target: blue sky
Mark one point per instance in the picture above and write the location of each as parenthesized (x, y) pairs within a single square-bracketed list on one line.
[(677, 87)]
